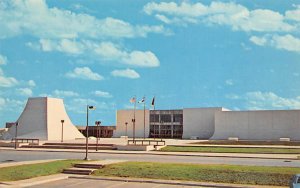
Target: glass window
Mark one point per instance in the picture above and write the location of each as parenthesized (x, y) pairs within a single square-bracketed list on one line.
[(154, 118), (165, 118), (177, 118)]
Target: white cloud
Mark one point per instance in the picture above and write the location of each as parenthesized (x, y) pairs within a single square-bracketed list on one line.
[(24, 91), (106, 51), (232, 96), (7, 81), (261, 41), (229, 82), (269, 100), (78, 105), (31, 83), (103, 94), (3, 60), (27, 17), (284, 42), (293, 14), (142, 59), (11, 104), (110, 51), (64, 45), (61, 93), (236, 16), (127, 73), (258, 100), (84, 73)]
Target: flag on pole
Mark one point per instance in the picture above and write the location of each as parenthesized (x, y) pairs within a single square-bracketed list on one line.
[(153, 101), (133, 100), (142, 101)]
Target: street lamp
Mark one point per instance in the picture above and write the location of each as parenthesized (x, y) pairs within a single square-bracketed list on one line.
[(87, 131), (62, 130), (98, 123), (126, 123), (17, 123), (133, 129)]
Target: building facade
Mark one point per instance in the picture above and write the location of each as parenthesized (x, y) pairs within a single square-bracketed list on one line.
[(210, 123), (166, 124), (98, 131)]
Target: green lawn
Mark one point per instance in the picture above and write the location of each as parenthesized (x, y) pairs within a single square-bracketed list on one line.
[(34, 170), (229, 149), (254, 175), (248, 142)]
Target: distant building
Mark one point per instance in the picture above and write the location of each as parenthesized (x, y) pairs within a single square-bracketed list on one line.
[(101, 131), (210, 123), (9, 124)]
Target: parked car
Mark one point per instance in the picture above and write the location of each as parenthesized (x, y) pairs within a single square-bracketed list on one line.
[(295, 181)]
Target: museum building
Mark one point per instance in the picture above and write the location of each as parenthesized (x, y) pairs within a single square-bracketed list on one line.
[(210, 123)]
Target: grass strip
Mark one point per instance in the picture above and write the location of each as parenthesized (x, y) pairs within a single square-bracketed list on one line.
[(27, 171), (213, 149), (254, 175), (246, 142)]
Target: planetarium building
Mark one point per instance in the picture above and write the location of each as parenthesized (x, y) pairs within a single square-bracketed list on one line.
[(210, 123)]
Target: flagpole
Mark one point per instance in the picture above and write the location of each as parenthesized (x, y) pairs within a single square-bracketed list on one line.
[(144, 120), (134, 121)]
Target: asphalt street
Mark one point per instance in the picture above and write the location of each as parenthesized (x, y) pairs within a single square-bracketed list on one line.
[(16, 156)]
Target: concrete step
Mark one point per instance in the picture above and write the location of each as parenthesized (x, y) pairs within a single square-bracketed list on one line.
[(74, 144), (86, 165), (82, 171), (70, 147)]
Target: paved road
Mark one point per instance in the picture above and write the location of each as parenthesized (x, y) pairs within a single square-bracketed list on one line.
[(79, 183), (11, 155)]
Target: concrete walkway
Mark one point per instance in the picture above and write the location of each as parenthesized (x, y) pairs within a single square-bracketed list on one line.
[(200, 154)]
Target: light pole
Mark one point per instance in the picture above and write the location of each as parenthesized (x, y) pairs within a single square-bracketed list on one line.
[(87, 131), (144, 120), (62, 130), (161, 123), (17, 123), (97, 123), (133, 129), (126, 123)]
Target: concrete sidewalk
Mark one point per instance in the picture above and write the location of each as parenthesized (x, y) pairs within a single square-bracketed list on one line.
[(199, 154)]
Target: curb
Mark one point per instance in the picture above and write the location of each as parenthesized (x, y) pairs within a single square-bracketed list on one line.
[(161, 153), (168, 182)]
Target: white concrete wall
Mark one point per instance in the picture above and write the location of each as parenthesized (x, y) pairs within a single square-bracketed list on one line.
[(33, 120), (55, 113), (199, 122), (126, 116), (258, 125), (41, 119)]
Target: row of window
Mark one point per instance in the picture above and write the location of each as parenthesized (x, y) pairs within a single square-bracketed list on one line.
[(166, 131), (166, 118)]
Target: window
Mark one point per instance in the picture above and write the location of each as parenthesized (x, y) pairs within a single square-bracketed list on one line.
[(177, 118), (165, 118), (154, 118)]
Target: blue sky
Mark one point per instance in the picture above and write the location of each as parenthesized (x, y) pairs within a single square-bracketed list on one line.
[(241, 55)]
